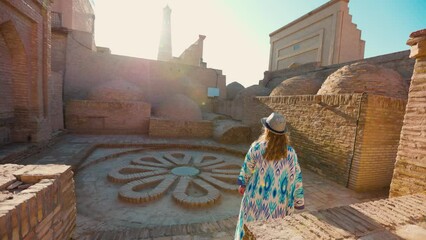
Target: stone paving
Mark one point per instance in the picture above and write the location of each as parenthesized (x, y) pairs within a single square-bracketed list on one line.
[(87, 151), (394, 218)]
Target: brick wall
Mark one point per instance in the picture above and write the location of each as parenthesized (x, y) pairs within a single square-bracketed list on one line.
[(187, 129), (322, 128), (25, 42), (377, 142), (6, 104), (86, 69), (56, 108), (351, 138), (59, 45), (45, 210), (410, 169), (232, 108), (85, 116)]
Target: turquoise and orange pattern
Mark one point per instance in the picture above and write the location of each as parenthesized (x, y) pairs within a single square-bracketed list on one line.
[(273, 188)]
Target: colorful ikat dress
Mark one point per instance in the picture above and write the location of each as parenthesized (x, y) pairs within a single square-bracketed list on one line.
[(273, 188)]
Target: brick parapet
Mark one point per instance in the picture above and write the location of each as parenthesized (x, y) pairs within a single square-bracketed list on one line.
[(45, 210)]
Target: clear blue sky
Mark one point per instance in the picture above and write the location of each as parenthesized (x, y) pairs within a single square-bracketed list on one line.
[(238, 30)]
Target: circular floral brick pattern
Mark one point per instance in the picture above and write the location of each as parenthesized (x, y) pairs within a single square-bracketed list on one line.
[(112, 180), (149, 177)]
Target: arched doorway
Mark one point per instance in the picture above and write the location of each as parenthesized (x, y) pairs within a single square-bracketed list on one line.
[(15, 86)]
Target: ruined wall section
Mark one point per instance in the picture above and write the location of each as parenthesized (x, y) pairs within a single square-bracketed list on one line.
[(45, 210), (409, 176), (193, 55), (85, 69)]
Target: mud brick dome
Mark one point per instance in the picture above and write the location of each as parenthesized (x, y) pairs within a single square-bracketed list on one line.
[(233, 89), (116, 91), (299, 85), (178, 107), (364, 77), (255, 90)]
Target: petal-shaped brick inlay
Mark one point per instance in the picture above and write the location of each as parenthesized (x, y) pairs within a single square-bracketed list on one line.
[(178, 158), (180, 194), (130, 192), (207, 160), (129, 173), (227, 166), (150, 176), (152, 161), (209, 177)]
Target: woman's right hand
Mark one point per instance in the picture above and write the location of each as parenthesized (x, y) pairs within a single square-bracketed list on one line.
[(241, 189)]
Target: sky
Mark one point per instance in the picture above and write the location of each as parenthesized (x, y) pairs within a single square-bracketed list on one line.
[(237, 31)]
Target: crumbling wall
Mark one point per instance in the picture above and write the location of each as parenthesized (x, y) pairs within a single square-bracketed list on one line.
[(46, 209), (85, 69)]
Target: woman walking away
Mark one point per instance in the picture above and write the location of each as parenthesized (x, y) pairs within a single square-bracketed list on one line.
[(270, 177)]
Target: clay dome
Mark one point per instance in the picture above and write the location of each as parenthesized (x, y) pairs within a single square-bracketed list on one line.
[(254, 90), (178, 107), (116, 91), (365, 77), (299, 85), (233, 89)]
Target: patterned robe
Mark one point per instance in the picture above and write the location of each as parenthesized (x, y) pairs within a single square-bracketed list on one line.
[(273, 188)]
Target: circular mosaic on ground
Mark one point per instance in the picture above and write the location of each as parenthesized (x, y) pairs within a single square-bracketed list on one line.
[(160, 188), (157, 173)]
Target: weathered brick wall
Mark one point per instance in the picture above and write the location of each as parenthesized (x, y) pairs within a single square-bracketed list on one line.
[(186, 129), (86, 69), (25, 42), (56, 108), (322, 128), (229, 108), (351, 139), (85, 116), (6, 103), (377, 142), (410, 169), (59, 46), (45, 210)]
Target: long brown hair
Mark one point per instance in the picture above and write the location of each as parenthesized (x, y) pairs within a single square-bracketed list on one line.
[(276, 145)]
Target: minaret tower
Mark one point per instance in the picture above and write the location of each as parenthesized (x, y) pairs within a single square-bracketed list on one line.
[(165, 48)]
